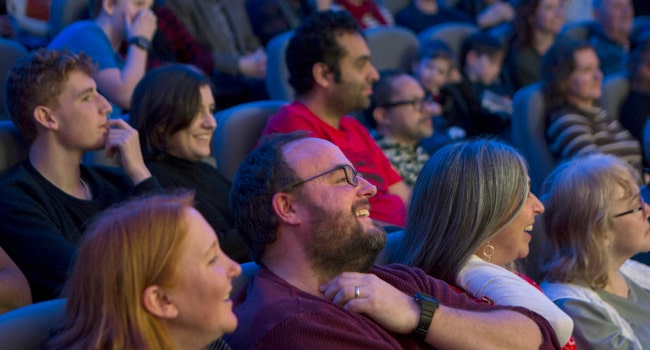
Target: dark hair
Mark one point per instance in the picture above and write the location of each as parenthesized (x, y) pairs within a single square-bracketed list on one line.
[(434, 49), (95, 7), (37, 80), (637, 58), (165, 101), (483, 44), (525, 10), (314, 41), (382, 92), (557, 65), (260, 176)]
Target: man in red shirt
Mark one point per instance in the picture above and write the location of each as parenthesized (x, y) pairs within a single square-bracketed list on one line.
[(330, 70)]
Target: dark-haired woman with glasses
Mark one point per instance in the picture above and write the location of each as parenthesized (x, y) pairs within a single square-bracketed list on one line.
[(596, 220)]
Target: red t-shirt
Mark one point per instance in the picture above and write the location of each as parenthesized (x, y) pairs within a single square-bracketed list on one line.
[(356, 143)]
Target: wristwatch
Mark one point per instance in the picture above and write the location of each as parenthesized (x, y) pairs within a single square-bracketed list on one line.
[(140, 42), (428, 307)]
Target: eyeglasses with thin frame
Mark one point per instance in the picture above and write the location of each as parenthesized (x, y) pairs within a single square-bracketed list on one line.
[(634, 210), (351, 177), (417, 104)]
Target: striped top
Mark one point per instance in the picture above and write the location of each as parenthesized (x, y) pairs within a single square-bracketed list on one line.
[(573, 132)]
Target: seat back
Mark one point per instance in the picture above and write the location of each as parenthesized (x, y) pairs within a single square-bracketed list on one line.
[(392, 47), (277, 73), (394, 6), (451, 33), (528, 128), (249, 269), (579, 30), (65, 12), (28, 327), (11, 51), (616, 87), (238, 130), (13, 146), (645, 142)]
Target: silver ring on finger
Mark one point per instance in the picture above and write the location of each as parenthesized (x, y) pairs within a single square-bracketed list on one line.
[(357, 292)]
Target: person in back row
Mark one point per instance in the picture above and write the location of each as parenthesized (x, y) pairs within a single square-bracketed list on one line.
[(304, 211), (115, 22), (401, 116), (173, 111), (46, 200), (331, 79)]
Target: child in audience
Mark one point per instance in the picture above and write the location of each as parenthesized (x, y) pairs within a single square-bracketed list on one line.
[(115, 22), (433, 68), (482, 103)]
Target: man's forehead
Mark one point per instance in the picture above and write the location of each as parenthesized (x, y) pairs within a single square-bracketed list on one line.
[(353, 44), (313, 151)]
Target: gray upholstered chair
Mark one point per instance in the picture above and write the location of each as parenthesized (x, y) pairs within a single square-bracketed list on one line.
[(394, 6), (65, 12), (277, 73), (11, 51), (528, 127), (616, 87), (26, 328), (452, 33), (392, 47), (577, 30), (238, 130), (13, 147)]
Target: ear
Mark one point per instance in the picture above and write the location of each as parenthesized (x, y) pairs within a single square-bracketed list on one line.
[(284, 207), (156, 302), (323, 76), (471, 57), (379, 114), (44, 116), (108, 6)]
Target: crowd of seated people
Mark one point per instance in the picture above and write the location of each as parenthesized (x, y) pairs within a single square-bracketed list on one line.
[(309, 206)]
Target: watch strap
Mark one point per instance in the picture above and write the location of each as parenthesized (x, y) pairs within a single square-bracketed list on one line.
[(140, 42), (428, 307)]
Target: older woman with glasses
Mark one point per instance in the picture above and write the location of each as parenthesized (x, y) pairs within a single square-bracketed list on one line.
[(596, 220)]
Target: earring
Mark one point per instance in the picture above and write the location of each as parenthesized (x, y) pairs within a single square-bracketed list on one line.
[(488, 251)]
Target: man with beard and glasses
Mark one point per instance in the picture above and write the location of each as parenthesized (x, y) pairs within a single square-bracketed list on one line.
[(402, 115), (304, 211), (330, 70)]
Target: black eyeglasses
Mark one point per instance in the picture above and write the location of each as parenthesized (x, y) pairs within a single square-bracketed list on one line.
[(632, 211), (351, 177), (417, 104)]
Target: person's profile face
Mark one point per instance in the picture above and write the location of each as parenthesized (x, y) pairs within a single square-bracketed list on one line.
[(81, 113), (433, 73), (630, 229), (584, 84), (513, 241), (202, 288), (408, 122), (194, 142), (352, 91)]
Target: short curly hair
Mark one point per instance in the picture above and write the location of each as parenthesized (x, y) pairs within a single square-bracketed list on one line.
[(314, 41), (37, 80)]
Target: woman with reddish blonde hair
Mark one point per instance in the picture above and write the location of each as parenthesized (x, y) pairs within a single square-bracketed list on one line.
[(150, 275)]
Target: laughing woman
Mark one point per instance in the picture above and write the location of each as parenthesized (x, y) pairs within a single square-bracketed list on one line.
[(172, 110), (150, 275), (469, 233)]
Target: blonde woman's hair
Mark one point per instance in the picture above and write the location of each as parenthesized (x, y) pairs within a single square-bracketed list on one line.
[(577, 196)]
